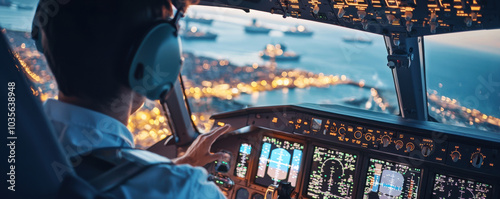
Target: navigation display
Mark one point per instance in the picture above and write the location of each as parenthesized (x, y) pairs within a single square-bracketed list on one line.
[(452, 187), (386, 179), (332, 174), (279, 160)]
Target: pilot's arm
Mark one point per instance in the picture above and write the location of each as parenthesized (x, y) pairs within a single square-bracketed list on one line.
[(169, 181)]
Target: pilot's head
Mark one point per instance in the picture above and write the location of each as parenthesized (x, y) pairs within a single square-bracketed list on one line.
[(89, 44)]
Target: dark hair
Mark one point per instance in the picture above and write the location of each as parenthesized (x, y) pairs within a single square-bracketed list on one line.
[(88, 43)]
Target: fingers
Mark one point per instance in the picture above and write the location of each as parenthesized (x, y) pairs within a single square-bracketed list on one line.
[(218, 132)]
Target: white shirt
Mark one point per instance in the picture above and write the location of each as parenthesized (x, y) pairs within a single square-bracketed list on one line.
[(81, 130)]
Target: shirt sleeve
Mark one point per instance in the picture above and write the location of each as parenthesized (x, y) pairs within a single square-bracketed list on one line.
[(202, 188), (170, 181)]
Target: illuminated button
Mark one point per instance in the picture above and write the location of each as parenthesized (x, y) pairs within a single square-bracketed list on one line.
[(275, 120)]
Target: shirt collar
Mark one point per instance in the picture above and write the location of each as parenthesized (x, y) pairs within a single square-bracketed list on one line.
[(72, 115)]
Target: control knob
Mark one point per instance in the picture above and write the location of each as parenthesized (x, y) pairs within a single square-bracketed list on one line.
[(358, 134), (455, 156), (477, 159), (426, 151), (342, 132), (386, 141), (399, 144), (409, 147), (341, 12), (361, 14)]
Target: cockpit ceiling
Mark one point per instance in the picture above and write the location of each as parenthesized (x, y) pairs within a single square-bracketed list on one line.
[(413, 17)]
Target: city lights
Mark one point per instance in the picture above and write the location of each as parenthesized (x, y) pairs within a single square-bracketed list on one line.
[(218, 79)]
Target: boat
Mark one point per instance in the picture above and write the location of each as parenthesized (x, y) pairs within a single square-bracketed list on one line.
[(199, 20), (25, 7), (360, 40), (256, 28), (299, 30), (278, 53), (195, 34)]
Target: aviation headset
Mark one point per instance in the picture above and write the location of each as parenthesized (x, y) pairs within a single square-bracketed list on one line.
[(155, 61)]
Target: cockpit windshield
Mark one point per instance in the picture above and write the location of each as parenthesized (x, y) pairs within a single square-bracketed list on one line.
[(463, 78), (235, 60)]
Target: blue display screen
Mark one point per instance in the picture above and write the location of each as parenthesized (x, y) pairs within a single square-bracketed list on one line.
[(386, 179), (279, 160), (243, 156)]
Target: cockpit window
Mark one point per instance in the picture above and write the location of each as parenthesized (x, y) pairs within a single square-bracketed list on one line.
[(463, 79), (235, 60)]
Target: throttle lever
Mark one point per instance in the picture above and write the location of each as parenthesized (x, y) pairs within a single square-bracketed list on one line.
[(282, 191)]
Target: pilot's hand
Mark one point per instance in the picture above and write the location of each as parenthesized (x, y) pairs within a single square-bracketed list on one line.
[(198, 154)]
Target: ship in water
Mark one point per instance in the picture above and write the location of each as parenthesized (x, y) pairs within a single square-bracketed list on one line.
[(278, 52), (257, 28), (195, 34), (299, 30), (199, 20), (360, 40)]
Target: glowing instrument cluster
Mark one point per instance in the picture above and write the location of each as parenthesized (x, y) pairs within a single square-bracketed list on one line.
[(453, 187), (414, 17), (332, 174), (243, 158), (279, 160), (392, 180), (333, 156)]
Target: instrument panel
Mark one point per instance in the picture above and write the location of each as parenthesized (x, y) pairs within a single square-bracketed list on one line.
[(409, 17), (331, 153)]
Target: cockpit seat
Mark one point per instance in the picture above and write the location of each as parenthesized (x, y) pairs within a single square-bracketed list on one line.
[(40, 164)]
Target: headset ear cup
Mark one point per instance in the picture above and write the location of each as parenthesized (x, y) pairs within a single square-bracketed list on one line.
[(157, 62)]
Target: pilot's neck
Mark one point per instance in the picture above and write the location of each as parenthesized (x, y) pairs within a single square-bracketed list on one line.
[(119, 108)]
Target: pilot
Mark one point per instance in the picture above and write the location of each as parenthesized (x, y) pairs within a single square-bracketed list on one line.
[(87, 45)]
